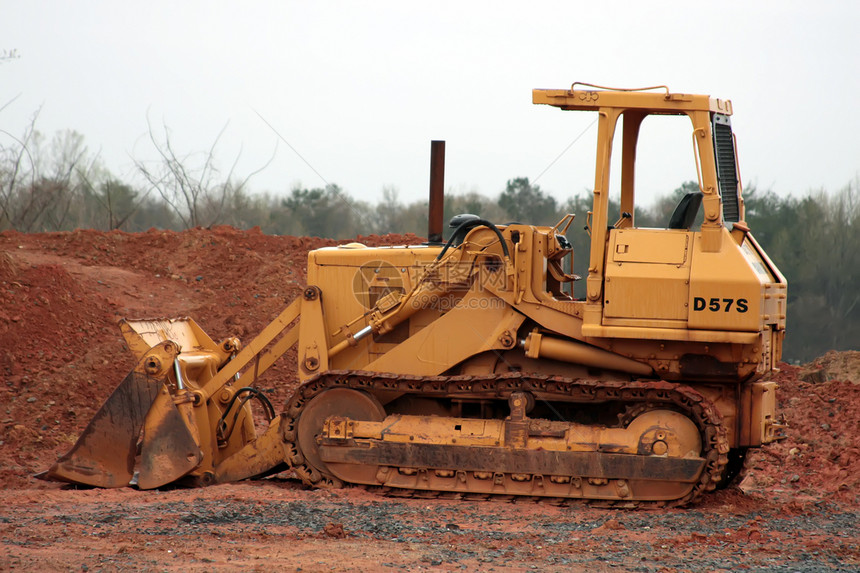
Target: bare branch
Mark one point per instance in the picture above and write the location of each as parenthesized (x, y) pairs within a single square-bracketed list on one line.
[(198, 195), (8, 192)]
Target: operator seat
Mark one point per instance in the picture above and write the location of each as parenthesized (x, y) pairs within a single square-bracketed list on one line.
[(685, 212)]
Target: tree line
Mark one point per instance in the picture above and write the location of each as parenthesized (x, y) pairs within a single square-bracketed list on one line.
[(55, 184)]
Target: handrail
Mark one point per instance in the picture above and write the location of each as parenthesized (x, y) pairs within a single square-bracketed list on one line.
[(574, 84)]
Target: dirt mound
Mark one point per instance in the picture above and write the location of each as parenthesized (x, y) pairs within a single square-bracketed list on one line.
[(820, 456), (61, 354), (834, 365)]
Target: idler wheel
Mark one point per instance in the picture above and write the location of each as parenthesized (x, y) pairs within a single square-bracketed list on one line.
[(666, 433), (343, 402)]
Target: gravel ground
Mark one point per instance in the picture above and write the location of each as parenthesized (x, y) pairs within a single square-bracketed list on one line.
[(275, 524)]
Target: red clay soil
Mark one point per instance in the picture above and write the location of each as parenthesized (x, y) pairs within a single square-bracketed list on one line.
[(61, 355)]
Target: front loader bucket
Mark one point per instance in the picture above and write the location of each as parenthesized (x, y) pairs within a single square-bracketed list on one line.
[(143, 334), (169, 450), (184, 411), (105, 453)]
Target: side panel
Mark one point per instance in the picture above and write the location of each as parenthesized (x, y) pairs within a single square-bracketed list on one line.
[(647, 277), (665, 279), (351, 279), (726, 292)]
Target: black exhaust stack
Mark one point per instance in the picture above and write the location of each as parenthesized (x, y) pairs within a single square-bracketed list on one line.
[(437, 191)]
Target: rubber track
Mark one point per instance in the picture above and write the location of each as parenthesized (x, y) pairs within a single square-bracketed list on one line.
[(651, 393)]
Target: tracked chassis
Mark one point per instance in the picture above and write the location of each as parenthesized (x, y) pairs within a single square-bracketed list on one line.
[(534, 457)]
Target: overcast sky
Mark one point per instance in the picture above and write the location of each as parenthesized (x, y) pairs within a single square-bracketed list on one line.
[(359, 89)]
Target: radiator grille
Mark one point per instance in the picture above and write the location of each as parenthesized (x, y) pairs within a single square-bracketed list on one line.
[(724, 149)]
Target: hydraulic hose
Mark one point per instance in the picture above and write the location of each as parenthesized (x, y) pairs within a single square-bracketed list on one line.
[(475, 223)]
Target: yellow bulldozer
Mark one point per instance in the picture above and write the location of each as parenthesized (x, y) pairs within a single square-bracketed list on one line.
[(470, 368)]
